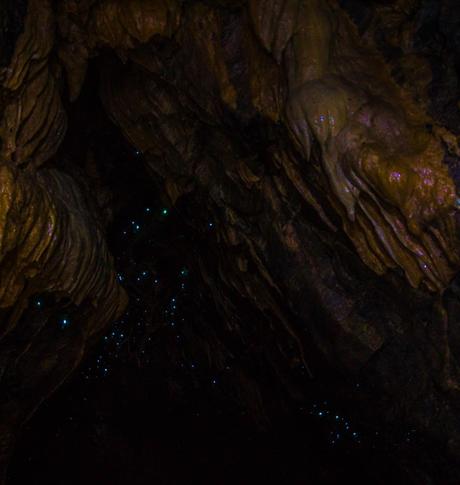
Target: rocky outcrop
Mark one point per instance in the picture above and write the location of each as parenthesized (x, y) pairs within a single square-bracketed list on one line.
[(58, 289), (33, 122)]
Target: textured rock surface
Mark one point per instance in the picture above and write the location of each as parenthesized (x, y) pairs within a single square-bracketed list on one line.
[(323, 169), (374, 146), (384, 169), (33, 122), (52, 245)]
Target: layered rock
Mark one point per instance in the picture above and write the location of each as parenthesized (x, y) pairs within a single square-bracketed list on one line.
[(55, 269)]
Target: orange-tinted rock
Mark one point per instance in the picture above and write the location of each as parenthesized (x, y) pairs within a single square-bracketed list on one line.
[(373, 140), (33, 123)]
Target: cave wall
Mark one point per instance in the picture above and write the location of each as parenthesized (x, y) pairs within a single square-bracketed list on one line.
[(329, 177)]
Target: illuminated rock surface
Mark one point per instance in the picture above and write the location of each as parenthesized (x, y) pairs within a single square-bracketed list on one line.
[(310, 162)]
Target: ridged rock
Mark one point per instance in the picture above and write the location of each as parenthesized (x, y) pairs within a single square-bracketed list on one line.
[(286, 129), (385, 170), (53, 249), (33, 122), (58, 287)]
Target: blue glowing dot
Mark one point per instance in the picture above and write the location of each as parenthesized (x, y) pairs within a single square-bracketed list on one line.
[(39, 303), (147, 209), (211, 224), (65, 322), (164, 212)]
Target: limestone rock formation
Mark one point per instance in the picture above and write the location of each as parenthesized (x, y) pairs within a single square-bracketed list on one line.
[(52, 244), (330, 180)]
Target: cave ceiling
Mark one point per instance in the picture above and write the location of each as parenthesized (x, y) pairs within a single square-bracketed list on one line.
[(309, 149)]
